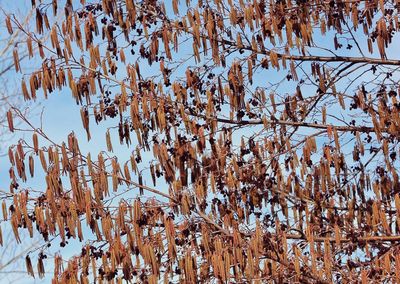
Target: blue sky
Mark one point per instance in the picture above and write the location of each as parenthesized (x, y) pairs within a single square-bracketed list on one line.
[(61, 116)]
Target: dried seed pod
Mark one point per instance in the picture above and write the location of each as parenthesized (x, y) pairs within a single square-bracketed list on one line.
[(10, 121), (29, 267), (35, 142), (4, 209), (25, 91), (31, 166), (16, 60), (40, 268)]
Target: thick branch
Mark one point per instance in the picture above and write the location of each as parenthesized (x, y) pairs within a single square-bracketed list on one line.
[(346, 240), (348, 59), (362, 129)]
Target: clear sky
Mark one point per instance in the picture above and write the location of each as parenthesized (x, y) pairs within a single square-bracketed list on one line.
[(59, 118)]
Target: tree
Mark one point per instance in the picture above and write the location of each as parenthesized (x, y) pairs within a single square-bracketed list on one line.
[(11, 267), (263, 138), (8, 93)]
